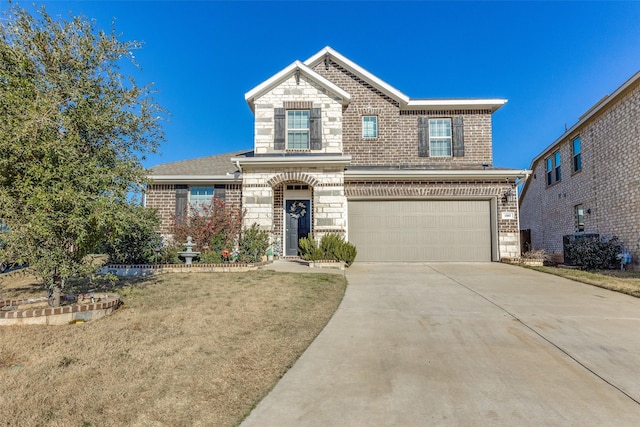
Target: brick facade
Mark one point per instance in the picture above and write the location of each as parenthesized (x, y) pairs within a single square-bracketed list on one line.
[(269, 177), (397, 141), (607, 186)]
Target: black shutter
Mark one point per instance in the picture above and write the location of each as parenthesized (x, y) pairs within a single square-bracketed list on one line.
[(182, 200), (219, 191), (458, 136), (315, 128), (423, 137), (279, 127)]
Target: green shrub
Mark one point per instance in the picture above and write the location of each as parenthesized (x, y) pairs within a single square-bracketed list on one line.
[(210, 257), (308, 249), (594, 253), (332, 247), (253, 244)]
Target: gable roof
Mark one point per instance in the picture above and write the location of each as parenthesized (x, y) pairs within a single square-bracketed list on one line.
[(403, 100), (211, 168), (286, 73)]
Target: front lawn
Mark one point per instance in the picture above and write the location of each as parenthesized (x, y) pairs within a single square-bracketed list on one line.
[(184, 350), (627, 282)]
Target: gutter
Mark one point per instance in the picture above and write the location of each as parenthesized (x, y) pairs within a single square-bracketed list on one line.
[(352, 175), (186, 179), (338, 160)]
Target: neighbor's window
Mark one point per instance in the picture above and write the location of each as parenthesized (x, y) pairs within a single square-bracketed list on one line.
[(554, 173), (556, 159), (298, 129), (579, 218), (577, 155), (200, 196), (440, 137), (369, 126)]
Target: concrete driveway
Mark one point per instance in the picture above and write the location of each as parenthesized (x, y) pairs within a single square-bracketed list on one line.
[(465, 344)]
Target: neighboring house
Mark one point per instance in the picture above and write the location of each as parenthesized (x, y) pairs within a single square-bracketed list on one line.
[(337, 150), (588, 180)]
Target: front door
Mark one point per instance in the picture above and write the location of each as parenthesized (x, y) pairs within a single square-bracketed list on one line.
[(298, 215)]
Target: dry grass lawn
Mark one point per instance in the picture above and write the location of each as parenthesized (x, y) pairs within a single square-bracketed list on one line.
[(627, 282), (184, 350)]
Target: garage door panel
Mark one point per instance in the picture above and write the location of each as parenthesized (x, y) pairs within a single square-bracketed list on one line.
[(421, 230)]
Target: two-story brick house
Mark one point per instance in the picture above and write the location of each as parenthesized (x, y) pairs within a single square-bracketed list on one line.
[(337, 150), (588, 180)]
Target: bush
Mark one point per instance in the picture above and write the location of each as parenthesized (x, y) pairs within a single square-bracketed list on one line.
[(212, 226), (210, 257), (135, 240), (253, 244), (332, 247), (594, 253), (308, 249)]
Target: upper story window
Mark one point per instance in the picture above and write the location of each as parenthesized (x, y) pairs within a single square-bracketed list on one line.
[(556, 157), (369, 126), (298, 129), (577, 154), (200, 196), (554, 173), (439, 137), (579, 218)]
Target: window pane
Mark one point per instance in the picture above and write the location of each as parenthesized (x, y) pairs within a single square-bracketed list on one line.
[(298, 119), (549, 164), (579, 218), (577, 157), (440, 147), (369, 127), (200, 196), (440, 137), (298, 129)]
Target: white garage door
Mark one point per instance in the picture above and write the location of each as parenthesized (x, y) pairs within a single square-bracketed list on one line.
[(421, 230)]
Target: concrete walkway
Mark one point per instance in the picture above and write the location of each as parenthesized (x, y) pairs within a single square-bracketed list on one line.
[(477, 344)]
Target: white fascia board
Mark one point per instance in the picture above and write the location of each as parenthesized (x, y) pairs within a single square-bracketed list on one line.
[(282, 75), (456, 104), (599, 106), (358, 70), (184, 179), (352, 175), (343, 160)]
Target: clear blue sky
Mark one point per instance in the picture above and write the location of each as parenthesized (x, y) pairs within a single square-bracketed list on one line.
[(551, 60)]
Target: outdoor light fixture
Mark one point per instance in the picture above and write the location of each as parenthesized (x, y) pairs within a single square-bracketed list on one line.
[(509, 196)]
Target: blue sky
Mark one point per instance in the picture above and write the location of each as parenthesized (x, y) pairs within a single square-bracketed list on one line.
[(551, 60)]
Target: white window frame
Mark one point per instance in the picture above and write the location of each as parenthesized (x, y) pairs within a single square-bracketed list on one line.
[(579, 211), (436, 138), (366, 128), (298, 130)]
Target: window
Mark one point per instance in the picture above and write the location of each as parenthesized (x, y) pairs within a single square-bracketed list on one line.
[(369, 126), (556, 157), (577, 157), (554, 173), (440, 137), (298, 129), (579, 218), (200, 196)]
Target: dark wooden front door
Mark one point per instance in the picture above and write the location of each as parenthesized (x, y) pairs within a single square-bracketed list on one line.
[(298, 224)]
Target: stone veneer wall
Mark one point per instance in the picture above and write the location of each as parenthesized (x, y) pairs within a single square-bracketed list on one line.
[(397, 141), (304, 91), (508, 229), (263, 198), (608, 184)]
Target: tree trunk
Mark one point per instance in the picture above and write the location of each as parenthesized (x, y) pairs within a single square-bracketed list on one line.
[(55, 293)]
